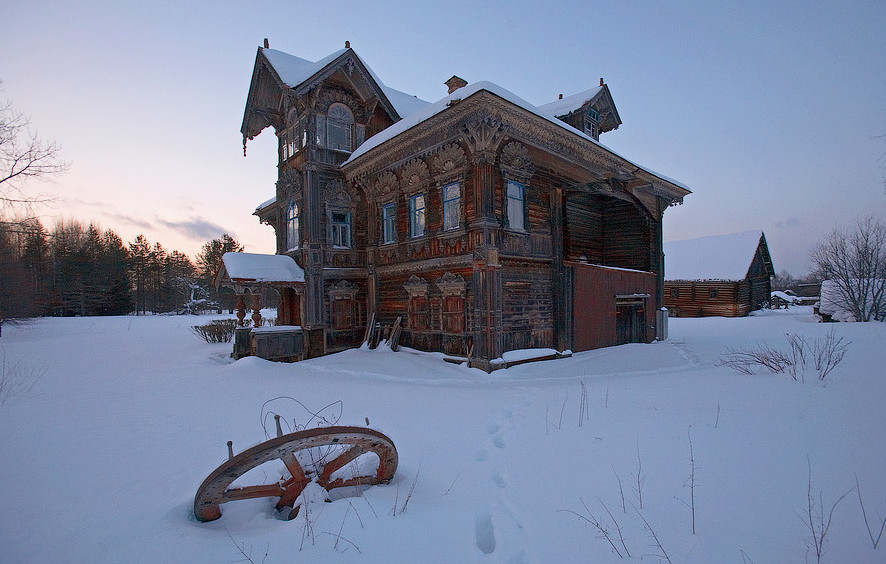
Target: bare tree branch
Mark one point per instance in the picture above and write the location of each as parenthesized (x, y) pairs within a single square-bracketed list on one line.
[(24, 156)]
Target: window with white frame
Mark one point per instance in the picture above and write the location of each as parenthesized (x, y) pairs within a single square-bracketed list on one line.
[(516, 205), (292, 226), (417, 215), (341, 229), (451, 206), (389, 223), (339, 124)]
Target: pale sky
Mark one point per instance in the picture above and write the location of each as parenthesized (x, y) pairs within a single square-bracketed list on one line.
[(770, 112)]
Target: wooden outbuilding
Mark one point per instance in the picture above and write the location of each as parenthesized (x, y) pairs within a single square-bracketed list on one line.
[(485, 223), (722, 275)]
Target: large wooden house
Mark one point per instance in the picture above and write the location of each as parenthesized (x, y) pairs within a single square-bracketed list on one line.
[(721, 275), (484, 223)]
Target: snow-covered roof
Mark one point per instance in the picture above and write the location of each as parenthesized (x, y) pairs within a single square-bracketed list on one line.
[(784, 296), (266, 203), (255, 267), (293, 71), (569, 104), (439, 106), (717, 257)]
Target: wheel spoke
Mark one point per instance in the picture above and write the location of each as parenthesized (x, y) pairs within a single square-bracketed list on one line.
[(337, 463), (295, 485), (252, 492)]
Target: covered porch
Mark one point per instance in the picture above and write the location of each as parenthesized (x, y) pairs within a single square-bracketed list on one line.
[(248, 274)]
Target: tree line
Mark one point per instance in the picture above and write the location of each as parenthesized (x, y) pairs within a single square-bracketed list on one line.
[(80, 270)]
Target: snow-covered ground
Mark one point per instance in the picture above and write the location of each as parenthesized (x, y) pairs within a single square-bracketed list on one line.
[(111, 424)]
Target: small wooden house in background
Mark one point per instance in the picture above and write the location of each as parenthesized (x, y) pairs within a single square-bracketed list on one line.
[(721, 275)]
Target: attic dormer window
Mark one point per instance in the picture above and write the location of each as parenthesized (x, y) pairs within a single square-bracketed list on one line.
[(592, 121), (339, 124)]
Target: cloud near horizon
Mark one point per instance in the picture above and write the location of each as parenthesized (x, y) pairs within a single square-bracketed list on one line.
[(197, 228)]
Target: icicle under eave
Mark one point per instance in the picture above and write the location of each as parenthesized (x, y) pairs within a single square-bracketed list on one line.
[(244, 145)]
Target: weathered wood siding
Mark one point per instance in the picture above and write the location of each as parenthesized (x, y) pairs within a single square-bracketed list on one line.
[(607, 231), (527, 307)]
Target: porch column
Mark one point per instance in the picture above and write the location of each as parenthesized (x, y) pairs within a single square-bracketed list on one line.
[(241, 311), (256, 310), (561, 321)]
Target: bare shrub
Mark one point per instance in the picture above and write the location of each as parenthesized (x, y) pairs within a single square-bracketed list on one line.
[(747, 361), (815, 519), (216, 331), (602, 531), (823, 355), (828, 353), (651, 531), (874, 541)]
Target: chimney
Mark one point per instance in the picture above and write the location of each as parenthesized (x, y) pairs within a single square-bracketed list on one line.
[(561, 97), (347, 44), (455, 83), (601, 81), (267, 45)]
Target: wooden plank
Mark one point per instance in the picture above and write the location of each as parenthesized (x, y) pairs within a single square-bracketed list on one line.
[(395, 335)]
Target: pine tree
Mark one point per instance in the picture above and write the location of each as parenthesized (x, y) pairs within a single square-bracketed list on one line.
[(208, 263)]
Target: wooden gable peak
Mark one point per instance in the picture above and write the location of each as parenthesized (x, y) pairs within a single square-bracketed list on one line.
[(276, 73)]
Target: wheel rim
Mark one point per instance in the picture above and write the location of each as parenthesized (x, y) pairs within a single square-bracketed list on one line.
[(215, 489)]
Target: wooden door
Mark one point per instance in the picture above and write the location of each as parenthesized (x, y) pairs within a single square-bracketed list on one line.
[(629, 322)]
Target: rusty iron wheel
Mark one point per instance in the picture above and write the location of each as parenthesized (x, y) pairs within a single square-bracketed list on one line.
[(215, 488)]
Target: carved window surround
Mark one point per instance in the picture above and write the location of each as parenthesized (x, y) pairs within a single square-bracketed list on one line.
[(414, 177), (451, 284), (416, 287), (338, 202), (516, 171), (419, 313), (452, 313), (448, 164), (342, 305)]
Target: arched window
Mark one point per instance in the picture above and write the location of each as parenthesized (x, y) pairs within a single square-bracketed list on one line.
[(339, 124), (292, 226)]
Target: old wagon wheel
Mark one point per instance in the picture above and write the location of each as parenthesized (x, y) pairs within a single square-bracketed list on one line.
[(309, 455)]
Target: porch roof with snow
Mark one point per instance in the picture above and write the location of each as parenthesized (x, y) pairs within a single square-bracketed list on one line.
[(717, 257), (245, 269)]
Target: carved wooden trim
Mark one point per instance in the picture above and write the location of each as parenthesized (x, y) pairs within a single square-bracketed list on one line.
[(330, 96), (481, 122), (416, 287), (289, 186), (515, 162), (336, 195), (448, 159), (451, 284), (342, 289), (414, 175), (483, 135), (386, 185)]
